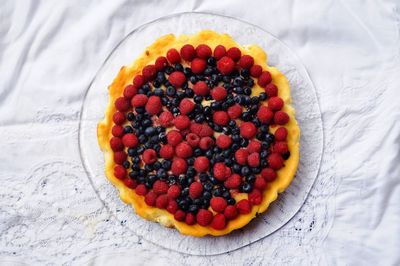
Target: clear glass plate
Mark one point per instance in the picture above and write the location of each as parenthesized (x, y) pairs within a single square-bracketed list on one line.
[(307, 113)]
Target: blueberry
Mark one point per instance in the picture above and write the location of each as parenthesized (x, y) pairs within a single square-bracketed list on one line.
[(189, 93), (235, 147), (171, 179), (214, 180), (183, 204), (246, 188), (208, 71), (226, 195), (207, 110), (244, 142), (237, 81), (269, 138), (185, 191), (250, 83), (132, 152), (201, 77), (245, 171), (140, 149), (130, 116), (128, 129), (217, 192), (187, 71), (150, 131), (264, 163), (147, 122), (264, 128), (286, 155), (226, 79), (151, 179), (182, 180), (179, 67), (199, 118), (193, 208), (169, 70), (217, 128), (237, 168), (193, 79), (208, 186), (238, 90), (191, 172), (197, 152), (203, 177), (133, 174), (262, 96), (256, 170), (198, 99), (160, 77), (245, 73), (142, 138), (247, 91), (226, 130), (250, 178), (211, 61), (166, 164), (148, 167), (190, 180), (209, 154), (170, 91), (175, 110), (126, 164), (231, 201), (207, 195)]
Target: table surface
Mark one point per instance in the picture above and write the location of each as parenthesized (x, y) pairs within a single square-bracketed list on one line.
[(49, 53)]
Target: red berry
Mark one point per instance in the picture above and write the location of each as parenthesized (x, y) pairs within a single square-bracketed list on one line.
[(149, 156), (243, 206), (281, 147), (248, 130), (195, 190), (234, 53), (205, 143), (141, 190), (183, 150), (218, 222), (173, 56), (225, 65), (275, 103), (220, 171), (149, 72), (254, 146), (219, 93), (160, 187), (174, 138), (150, 198), (190, 219), (235, 111), (275, 160), (174, 191), (117, 131), (281, 134), (268, 174), (219, 52), (281, 118), (271, 90), (230, 212), (201, 164), (179, 166), (188, 52), (130, 91), (264, 79), (186, 106), (218, 204), (206, 131), (193, 139), (130, 140), (221, 118), (223, 141), (255, 71), (139, 100), (116, 144), (198, 65), (153, 105), (265, 114), (161, 63), (204, 217), (255, 197), (119, 172), (241, 156), (167, 152), (203, 51), (177, 79), (138, 81), (233, 181), (180, 215), (182, 122), (201, 88), (120, 157), (166, 119), (254, 159), (172, 206), (130, 183), (260, 183), (119, 118), (246, 61), (162, 201)]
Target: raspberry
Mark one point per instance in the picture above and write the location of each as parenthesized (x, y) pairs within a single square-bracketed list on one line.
[(192, 139), (149, 72), (233, 181), (190, 219), (174, 138), (201, 164), (130, 183), (235, 111), (255, 197), (255, 71), (120, 157), (225, 65), (281, 147), (248, 130), (182, 122), (223, 141), (116, 144), (186, 106), (150, 198), (254, 146), (246, 61), (264, 79), (219, 93), (130, 140), (204, 217), (153, 105), (138, 81), (119, 172), (230, 212), (122, 104), (203, 51), (220, 171), (183, 150), (172, 206), (218, 222), (218, 204), (173, 56), (254, 159), (119, 118), (275, 161), (195, 190), (139, 100), (243, 206), (205, 143), (160, 187), (162, 201), (167, 152), (149, 156), (201, 88), (234, 53), (271, 90), (188, 52), (161, 63), (141, 190), (275, 103), (206, 131), (265, 114), (117, 131), (166, 118), (281, 134), (219, 52), (180, 215), (174, 191), (130, 91), (281, 118), (179, 166), (260, 183), (198, 65), (241, 156), (177, 79), (268, 174), (221, 118), (195, 128)]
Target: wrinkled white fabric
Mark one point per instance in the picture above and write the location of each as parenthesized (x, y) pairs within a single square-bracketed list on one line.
[(49, 53)]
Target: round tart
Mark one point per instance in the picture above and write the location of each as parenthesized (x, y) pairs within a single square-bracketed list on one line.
[(199, 133)]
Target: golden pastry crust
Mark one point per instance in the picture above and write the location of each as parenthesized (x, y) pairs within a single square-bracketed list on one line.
[(160, 48)]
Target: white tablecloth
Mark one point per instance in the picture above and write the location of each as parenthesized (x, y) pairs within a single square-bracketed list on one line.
[(49, 53)]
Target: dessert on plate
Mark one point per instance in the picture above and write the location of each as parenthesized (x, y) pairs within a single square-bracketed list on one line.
[(199, 133)]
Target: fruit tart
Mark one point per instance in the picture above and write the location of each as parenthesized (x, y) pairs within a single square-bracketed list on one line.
[(199, 133)]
